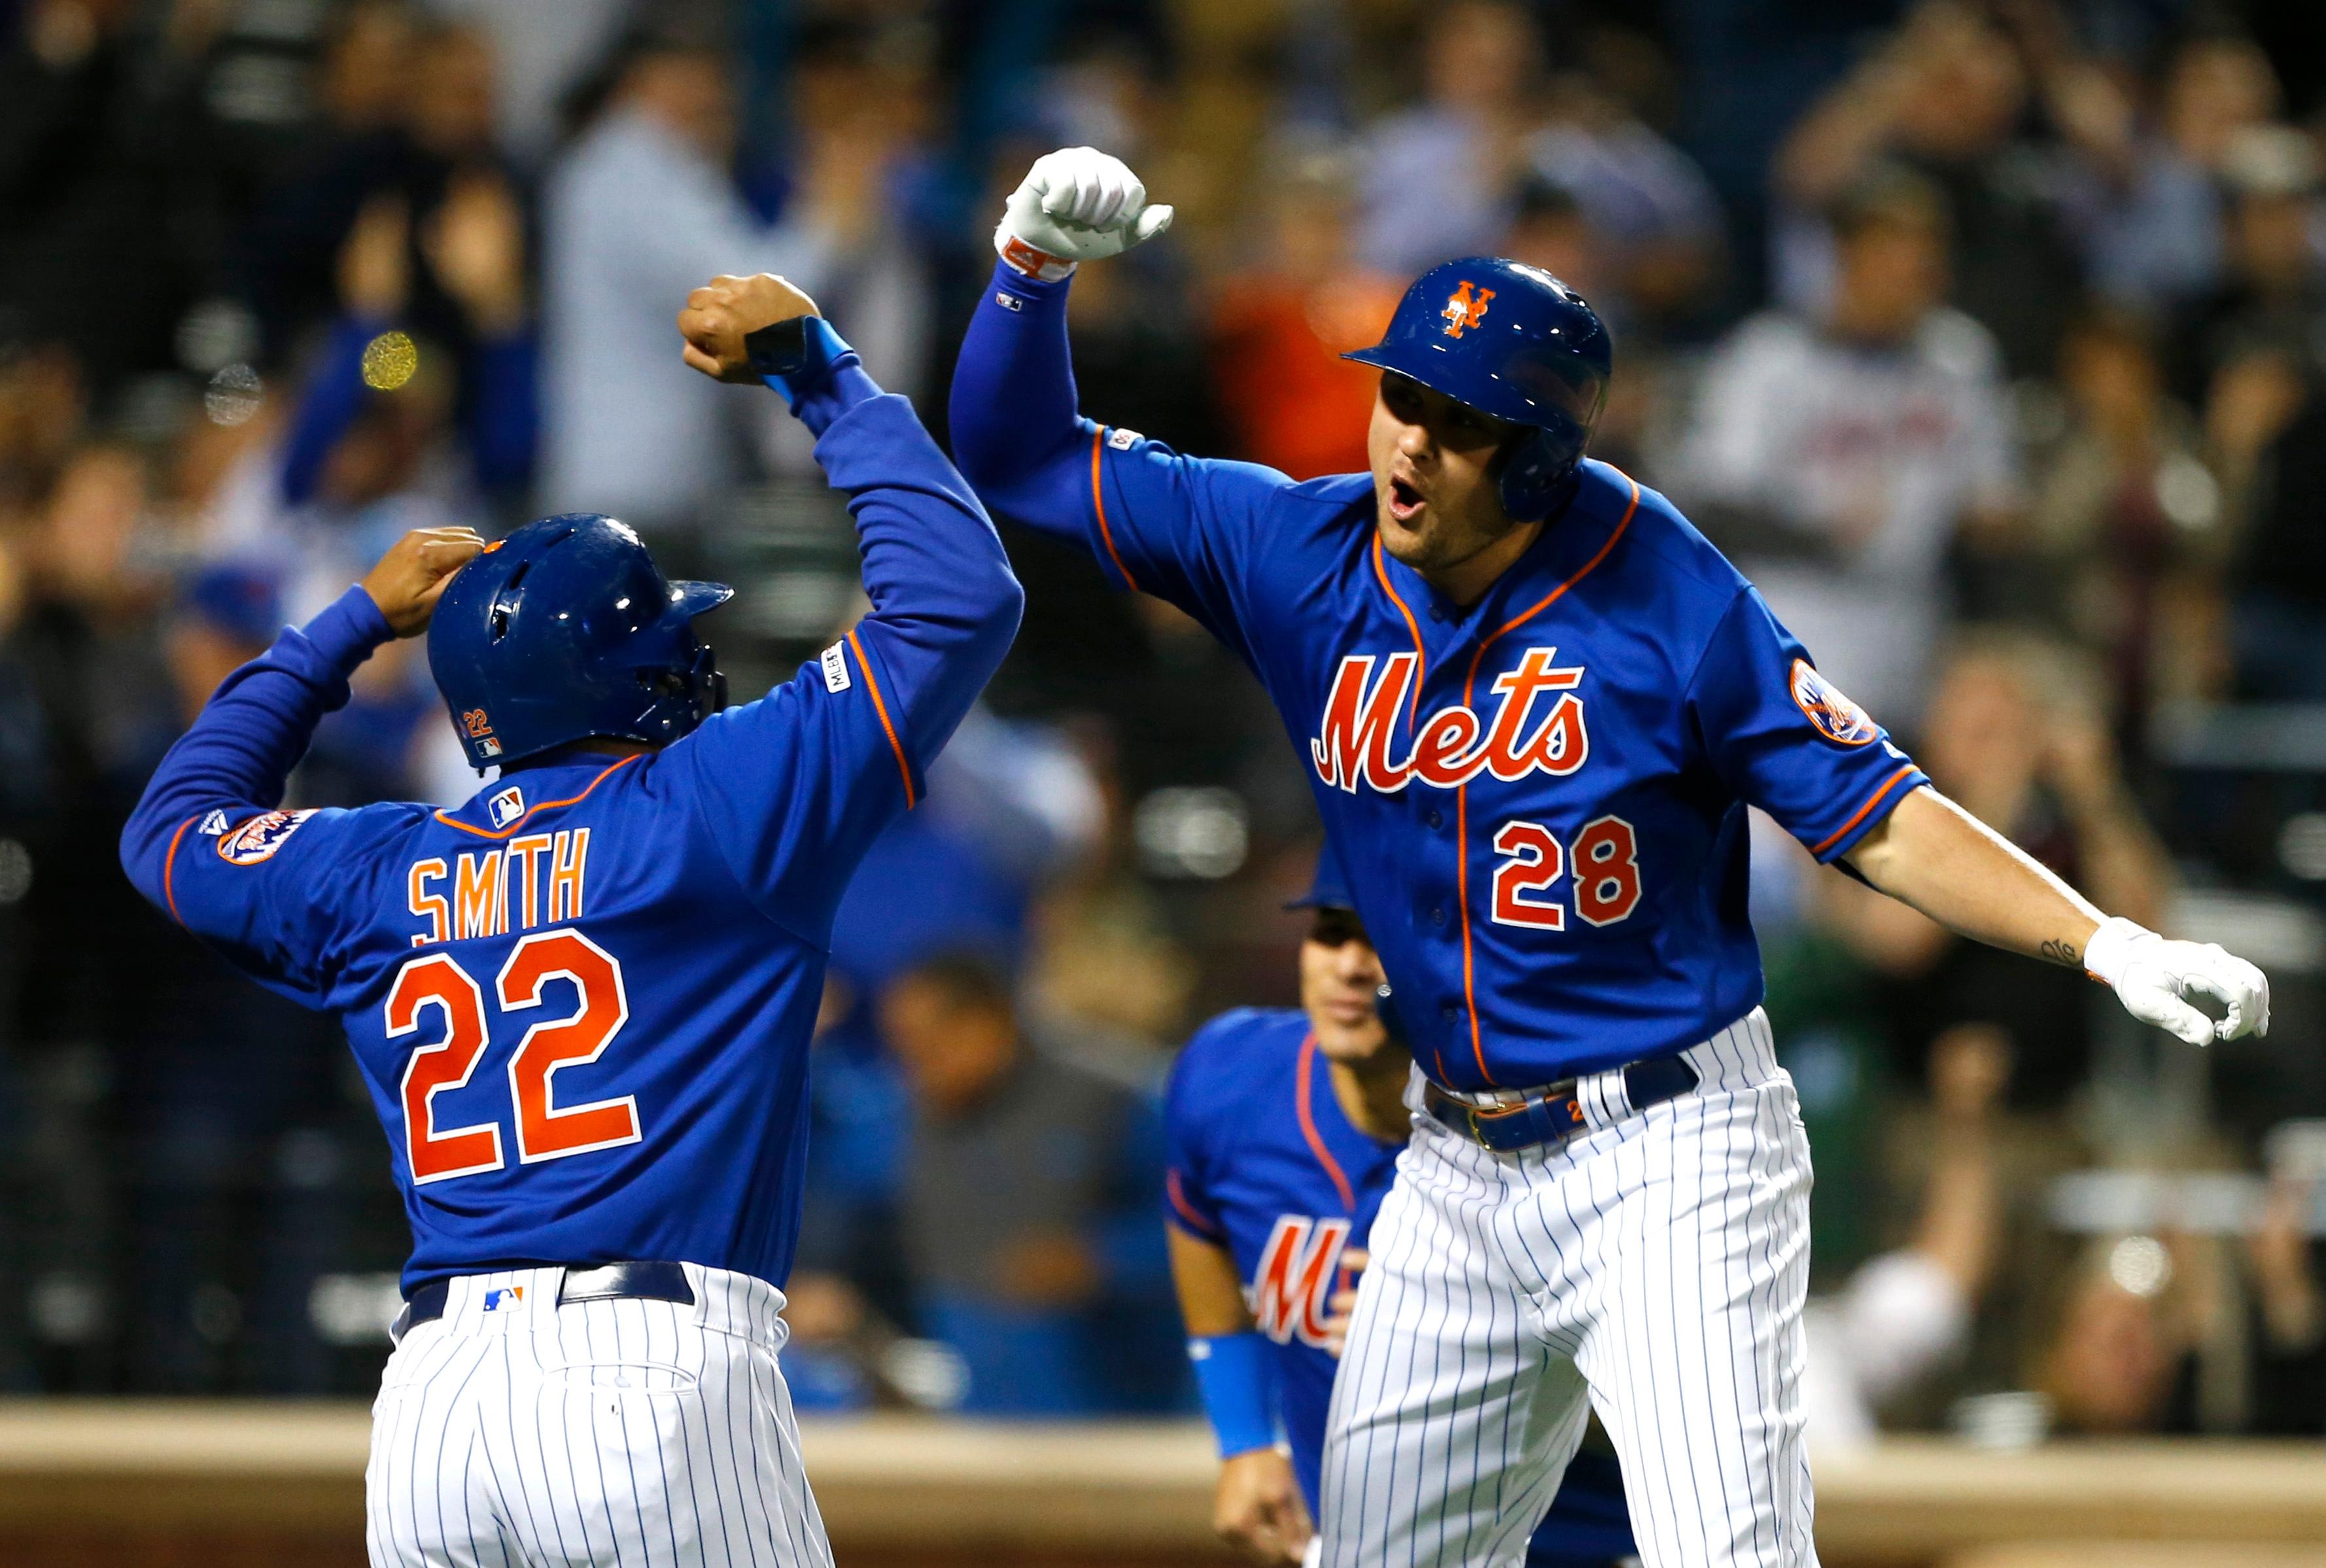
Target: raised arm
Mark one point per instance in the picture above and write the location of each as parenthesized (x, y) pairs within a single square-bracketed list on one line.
[(796, 785), (210, 802), (1015, 430)]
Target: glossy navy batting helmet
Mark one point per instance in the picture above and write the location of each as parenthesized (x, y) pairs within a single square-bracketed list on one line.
[(1513, 341), (565, 630)]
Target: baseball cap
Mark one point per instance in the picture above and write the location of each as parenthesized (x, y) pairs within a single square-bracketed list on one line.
[(1329, 889)]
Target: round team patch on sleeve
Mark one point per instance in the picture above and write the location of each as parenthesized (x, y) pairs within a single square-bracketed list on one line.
[(258, 838), (1837, 718)]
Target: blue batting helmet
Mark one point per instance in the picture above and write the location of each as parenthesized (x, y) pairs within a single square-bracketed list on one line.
[(1513, 341), (566, 630)]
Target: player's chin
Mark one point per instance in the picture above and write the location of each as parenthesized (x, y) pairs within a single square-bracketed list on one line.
[(1405, 531)]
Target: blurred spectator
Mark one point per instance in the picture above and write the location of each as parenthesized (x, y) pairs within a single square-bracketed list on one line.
[(1436, 178), (1028, 1211), (2017, 732), (410, 122), (639, 210), (1946, 95), (1836, 459), (2277, 607), (1905, 1314), (108, 176), (2146, 202), (370, 450), (2272, 297), (2124, 536), (1280, 327), (2122, 1357), (541, 52), (1652, 209), (376, 445)]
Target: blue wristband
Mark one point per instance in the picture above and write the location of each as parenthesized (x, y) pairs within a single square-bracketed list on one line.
[(793, 355), (1232, 1376)]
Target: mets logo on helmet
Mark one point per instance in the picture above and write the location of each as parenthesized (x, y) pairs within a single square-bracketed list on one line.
[(258, 838), (1464, 308), (1837, 718)]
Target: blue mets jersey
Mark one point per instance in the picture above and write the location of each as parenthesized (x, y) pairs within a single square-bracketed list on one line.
[(1265, 1163), (1539, 798), (582, 1001)]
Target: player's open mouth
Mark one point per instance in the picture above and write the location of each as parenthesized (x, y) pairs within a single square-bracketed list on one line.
[(1404, 500)]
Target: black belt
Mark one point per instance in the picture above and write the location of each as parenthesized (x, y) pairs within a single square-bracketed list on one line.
[(1554, 1114), (606, 1281)]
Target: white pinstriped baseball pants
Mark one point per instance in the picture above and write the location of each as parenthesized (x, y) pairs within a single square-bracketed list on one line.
[(1655, 1266), (514, 1432)]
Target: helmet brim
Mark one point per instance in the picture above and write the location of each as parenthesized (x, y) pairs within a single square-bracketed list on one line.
[(691, 599)]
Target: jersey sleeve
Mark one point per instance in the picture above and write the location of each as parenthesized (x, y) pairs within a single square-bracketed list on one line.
[(794, 787), (1786, 739), (208, 842), (1189, 1202), (1184, 529), (268, 890)]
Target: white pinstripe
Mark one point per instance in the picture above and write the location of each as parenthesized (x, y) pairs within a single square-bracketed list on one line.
[(1654, 1265), (621, 1433)]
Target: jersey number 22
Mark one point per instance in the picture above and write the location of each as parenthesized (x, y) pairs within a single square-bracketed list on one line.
[(543, 1130)]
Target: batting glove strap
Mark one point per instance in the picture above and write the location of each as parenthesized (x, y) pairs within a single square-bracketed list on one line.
[(1232, 1376), (2154, 977), (1075, 205)]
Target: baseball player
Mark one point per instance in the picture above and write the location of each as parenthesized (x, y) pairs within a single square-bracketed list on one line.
[(1534, 705), (582, 1001), (1284, 1126)]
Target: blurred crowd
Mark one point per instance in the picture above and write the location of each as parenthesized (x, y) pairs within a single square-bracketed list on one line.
[(1988, 336)]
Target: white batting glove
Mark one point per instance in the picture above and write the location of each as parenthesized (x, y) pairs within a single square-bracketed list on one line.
[(2152, 975), (1076, 204)]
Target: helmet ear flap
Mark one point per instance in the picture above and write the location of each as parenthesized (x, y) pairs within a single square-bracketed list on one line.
[(1535, 474)]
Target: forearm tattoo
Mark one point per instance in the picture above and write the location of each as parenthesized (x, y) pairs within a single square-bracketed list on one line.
[(2062, 953)]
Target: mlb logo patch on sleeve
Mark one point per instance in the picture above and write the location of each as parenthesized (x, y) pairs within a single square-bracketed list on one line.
[(836, 669), (1124, 440), (258, 838)]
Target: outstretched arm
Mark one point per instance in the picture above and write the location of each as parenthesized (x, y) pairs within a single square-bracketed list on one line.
[(1932, 854)]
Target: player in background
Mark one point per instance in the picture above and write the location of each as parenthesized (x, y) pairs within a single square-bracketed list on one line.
[(583, 1001), (1284, 1127), (1535, 704)]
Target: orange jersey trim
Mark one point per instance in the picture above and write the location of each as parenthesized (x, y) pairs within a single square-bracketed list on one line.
[(1462, 796), (1421, 659), (1302, 1077), (170, 867), (1186, 1211), (872, 684), (527, 816), (1098, 501), (1839, 833)]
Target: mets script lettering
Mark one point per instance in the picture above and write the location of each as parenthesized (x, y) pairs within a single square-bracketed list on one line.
[(1455, 744)]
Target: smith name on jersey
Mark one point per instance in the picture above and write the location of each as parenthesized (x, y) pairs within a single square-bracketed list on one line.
[(1539, 798)]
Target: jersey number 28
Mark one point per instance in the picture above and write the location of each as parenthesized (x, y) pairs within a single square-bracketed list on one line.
[(1606, 866), (544, 1131)]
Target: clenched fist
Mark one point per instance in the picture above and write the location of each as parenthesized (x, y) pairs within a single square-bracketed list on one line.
[(1075, 205), (721, 313), (412, 576)]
